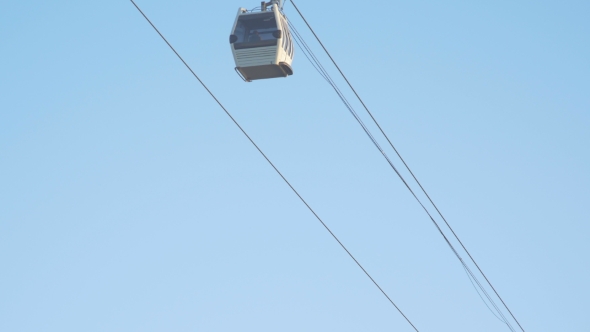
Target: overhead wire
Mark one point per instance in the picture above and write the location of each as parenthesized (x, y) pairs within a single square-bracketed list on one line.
[(482, 299), (274, 167), (321, 70), (410, 171)]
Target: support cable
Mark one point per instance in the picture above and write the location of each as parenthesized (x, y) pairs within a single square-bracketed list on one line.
[(275, 168), (321, 70), (406, 165)]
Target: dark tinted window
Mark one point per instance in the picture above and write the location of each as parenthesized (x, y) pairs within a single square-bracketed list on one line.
[(285, 32), (256, 28), (289, 41)]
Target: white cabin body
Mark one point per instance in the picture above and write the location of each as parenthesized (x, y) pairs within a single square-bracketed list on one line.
[(261, 44)]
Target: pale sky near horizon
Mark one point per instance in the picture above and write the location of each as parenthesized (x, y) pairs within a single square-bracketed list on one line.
[(130, 202)]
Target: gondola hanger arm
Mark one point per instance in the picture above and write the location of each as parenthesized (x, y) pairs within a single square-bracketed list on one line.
[(264, 4)]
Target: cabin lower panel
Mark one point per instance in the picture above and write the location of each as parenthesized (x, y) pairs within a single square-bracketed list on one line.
[(262, 72)]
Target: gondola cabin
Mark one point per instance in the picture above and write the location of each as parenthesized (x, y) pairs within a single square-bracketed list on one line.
[(261, 43)]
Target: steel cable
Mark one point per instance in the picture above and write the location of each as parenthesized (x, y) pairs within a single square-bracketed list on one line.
[(415, 179), (320, 68), (274, 167)]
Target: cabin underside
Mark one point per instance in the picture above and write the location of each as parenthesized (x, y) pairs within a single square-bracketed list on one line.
[(265, 71)]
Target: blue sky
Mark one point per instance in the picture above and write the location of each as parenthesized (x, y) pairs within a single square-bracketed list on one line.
[(130, 202)]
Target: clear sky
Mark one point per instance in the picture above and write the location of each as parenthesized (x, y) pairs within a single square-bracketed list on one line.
[(130, 202)]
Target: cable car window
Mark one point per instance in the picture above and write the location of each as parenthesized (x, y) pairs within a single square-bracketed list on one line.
[(292, 46), (289, 42), (286, 29), (255, 31), (287, 36)]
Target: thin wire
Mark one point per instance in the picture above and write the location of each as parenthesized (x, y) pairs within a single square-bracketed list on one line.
[(405, 164), (321, 70), (482, 299), (275, 168)]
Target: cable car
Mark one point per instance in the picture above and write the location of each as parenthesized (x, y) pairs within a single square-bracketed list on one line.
[(261, 43)]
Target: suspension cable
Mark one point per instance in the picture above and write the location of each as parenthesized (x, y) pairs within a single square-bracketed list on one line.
[(321, 70), (407, 167), (275, 168)]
